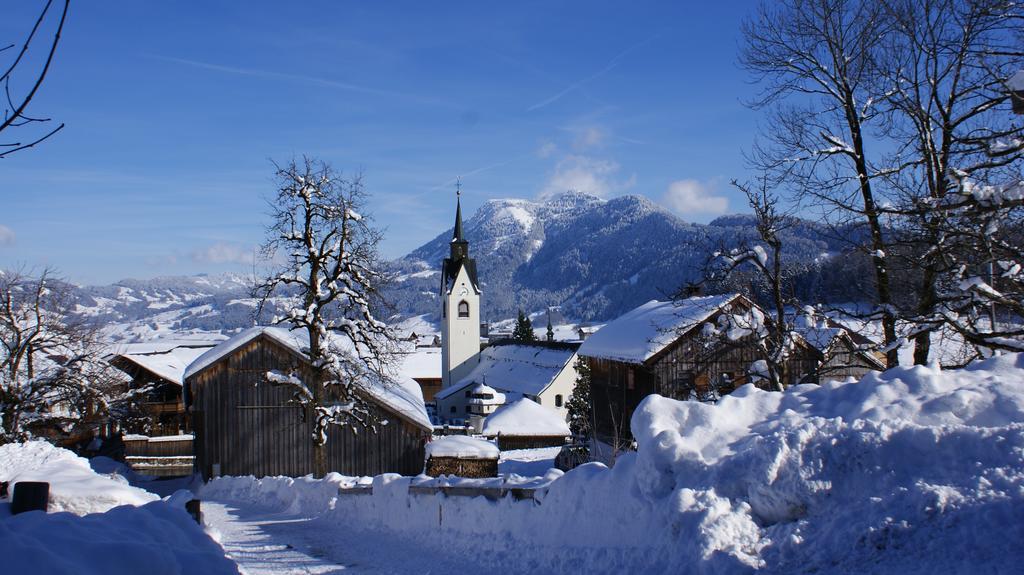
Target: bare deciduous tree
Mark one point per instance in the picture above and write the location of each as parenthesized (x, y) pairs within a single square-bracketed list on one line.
[(944, 67), (774, 335), (52, 371), (331, 263), (817, 62), (18, 93)]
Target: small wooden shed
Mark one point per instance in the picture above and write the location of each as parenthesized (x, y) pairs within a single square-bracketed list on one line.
[(246, 425), (525, 424), (462, 456)]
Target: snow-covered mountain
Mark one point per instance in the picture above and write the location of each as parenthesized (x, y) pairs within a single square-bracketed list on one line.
[(595, 258)]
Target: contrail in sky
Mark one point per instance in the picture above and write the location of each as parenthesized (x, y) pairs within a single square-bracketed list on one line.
[(608, 68), (256, 73)]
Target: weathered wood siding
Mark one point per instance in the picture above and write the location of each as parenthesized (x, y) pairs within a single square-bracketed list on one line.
[(687, 365), (248, 426), (844, 360), (511, 442)]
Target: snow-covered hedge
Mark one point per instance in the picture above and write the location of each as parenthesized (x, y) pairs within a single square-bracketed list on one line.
[(97, 523), (916, 470)]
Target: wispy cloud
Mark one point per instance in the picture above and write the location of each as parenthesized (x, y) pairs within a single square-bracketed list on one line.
[(585, 174), (580, 83), (224, 253), (314, 80), (692, 197), (7, 236)]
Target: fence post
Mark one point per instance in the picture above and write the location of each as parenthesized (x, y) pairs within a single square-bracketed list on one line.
[(193, 508), (30, 496)]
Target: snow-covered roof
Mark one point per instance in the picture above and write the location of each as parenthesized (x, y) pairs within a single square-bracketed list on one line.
[(645, 331), (822, 333), (462, 446), (169, 364), (525, 417), (421, 362), (402, 394), (480, 392), (521, 369)]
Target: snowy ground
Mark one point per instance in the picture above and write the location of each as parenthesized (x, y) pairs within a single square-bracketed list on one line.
[(268, 541), (913, 471)]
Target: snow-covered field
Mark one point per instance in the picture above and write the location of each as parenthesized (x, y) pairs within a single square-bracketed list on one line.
[(915, 470)]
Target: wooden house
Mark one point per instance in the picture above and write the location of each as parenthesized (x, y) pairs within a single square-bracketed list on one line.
[(845, 353), (423, 365), (157, 371), (675, 349), (246, 425), (525, 424)]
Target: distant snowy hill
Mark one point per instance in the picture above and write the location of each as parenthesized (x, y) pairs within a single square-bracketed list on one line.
[(595, 258)]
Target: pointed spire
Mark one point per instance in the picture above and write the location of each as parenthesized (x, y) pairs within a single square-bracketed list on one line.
[(457, 236)]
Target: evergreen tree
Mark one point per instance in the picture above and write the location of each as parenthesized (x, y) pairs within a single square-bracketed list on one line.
[(580, 421), (524, 328)]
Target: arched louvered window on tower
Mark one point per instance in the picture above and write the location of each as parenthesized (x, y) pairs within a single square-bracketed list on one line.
[(463, 309)]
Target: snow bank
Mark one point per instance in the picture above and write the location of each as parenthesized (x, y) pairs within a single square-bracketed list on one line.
[(157, 539), (915, 470), (97, 523), (74, 486)]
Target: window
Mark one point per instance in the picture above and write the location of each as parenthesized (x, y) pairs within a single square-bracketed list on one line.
[(463, 309), (467, 393), (453, 410), (558, 401)]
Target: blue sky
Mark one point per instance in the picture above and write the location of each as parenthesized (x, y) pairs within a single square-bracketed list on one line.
[(174, 111)]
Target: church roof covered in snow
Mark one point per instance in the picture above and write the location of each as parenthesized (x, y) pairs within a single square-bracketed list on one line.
[(525, 418), (402, 394), (517, 368), (645, 331)]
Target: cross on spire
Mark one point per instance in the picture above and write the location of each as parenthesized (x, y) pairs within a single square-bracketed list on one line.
[(458, 185)]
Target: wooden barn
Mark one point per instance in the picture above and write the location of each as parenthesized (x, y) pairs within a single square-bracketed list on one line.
[(246, 425), (672, 349)]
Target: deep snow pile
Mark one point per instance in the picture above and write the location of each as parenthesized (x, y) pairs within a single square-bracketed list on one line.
[(97, 524), (916, 470), (74, 486)]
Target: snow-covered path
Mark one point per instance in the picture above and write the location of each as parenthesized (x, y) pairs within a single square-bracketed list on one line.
[(263, 542)]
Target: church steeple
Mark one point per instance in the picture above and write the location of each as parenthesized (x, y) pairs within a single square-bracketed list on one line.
[(460, 305), (459, 245)]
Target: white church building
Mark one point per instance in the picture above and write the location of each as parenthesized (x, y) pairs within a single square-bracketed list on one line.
[(540, 371)]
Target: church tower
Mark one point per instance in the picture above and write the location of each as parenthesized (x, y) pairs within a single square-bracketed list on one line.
[(460, 312)]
